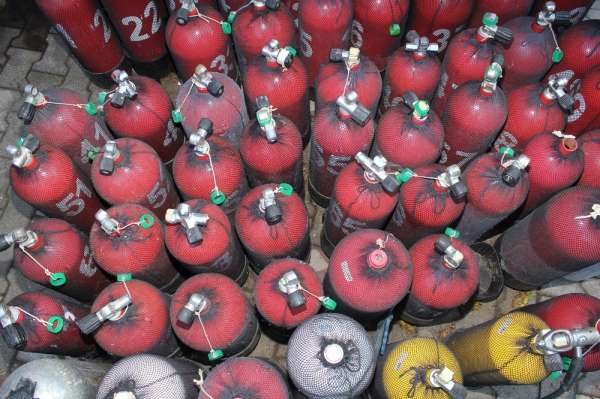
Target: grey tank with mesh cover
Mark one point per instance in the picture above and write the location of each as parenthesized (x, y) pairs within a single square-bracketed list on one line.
[(330, 356), (150, 377)]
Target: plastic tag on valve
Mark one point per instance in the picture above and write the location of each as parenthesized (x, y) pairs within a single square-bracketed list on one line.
[(508, 151), (450, 232), (215, 354), (123, 277), (292, 50), (557, 55), (226, 27), (285, 189), (329, 303), (91, 108), (395, 30), (176, 116), (57, 279), (405, 175), (146, 221), (55, 324), (217, 197), (231, 17), (102, 97)]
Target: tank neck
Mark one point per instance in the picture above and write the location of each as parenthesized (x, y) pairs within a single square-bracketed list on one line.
[(568, 145), (418, 55), (272, 63), (537, 27), (377, 259), (481, 38), (419, 120), (37, 244), (545, 98)]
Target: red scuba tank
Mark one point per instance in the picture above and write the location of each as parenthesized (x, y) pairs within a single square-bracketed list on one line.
[(445, 277), (348, 71), (533, 49), (130, 239), (271, 149), (497, 185), (556, 163), (587, 104), (534, 109), (46, 178), (323, 26), (210, 169), (557, 238), (378, 27), (257, 24), (200, 237), (130, 171), (87, 31), (211, 315), (54, 253), (439, 20), (340, 130), (575, 8), (43, 323), (590, 146), (130, 317), (473, 117), (141, 109), (431, 198), (409, 139), (141, 27), (71, 125), (571, 311), (281, 77), (369, 273), (272, 223), (287, 293), (364, 196), (469, 54), (504, 9), (414, 68), (213, 96), (197, 34)]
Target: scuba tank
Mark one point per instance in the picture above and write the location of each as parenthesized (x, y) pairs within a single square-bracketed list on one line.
[(130, 317), (254, 26), (445, 278), (271, 149), (61, 118), (586, 115), (129, 171), (150, 377), (340, 130), (419, 368), (590, 146), (45, 177), (534, 47), (413, 68), (410, 139), (272, 223), (560, 237), (533, 109), (216, 97), (348, 71), (210, 169), (43, 323), (378, 28), (364, 196), (55, 254), (130, 239), (497, 185), (439, 20), (576, 9), (556, 164), (504, 9), (200, 237), (141, 109), (323, 26), (473, 117), (469, 54), (431, 198), (277, 74), (369, 273), (335, 348), (211, 315)]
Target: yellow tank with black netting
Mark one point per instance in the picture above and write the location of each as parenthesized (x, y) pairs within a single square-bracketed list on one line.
[(499, 352), (406, 369)]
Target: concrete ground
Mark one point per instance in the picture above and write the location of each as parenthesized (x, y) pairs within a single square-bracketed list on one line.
[(30, 53)]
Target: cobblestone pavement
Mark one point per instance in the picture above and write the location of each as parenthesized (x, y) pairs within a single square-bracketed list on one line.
[(31, 53)]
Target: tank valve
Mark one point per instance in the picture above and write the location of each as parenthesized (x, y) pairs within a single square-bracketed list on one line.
[(451, 179), (549, 342), (125, 88), (420, 44), (20, 236), (264, 117), (182, 16), (555, 90), (12, 333), (492, 74), (195, 303), (491, 30), (268, 205), (108, 224), (204, 80), (282, 56), (375, 171), (111, 311), (22, 153), (420, 108), (110, 153), (444, 379), (33, 98), (548, 15), (191, 221), (289, 284), (349, 105), (350, 57), (198, 138), (453, 258), (514, 169)]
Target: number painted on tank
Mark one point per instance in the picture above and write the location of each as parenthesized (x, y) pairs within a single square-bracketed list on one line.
[(73, 204), (346, 271), (86, 267), (172, 5), (442, 86), (336, 163), (99, 18), (171, 134), (151, 8), (67, 37), (357, 32), (442, 35), (466, 157), (305, 43), (138, 23), (158, 195), (576, 114), (444, 154), (505, 139), (219, 63)]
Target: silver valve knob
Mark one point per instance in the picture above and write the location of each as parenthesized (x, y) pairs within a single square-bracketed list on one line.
[(549, 15), (22, 154), (108, 224), (453, 258), (375, 170), (444, 378), (191, 221), (196, 303), (111, 311), (555, 90), (125, 88), (198, 138), (452, 180), (20, 236), (33, 98), (264, 117), (514, 169), (289, 284), (349, 105), (351, 56), (420, 44), (282, 56), (557, 341), (205, 80), (12, 333), (490, 29), (268, 205), (110, 153)]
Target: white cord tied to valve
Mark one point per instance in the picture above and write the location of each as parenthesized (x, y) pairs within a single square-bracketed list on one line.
[(200, 383), (594, 213), (560, 134)]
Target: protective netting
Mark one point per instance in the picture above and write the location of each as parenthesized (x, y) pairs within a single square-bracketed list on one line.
[(347, 373), (590, 145), (587, 97)]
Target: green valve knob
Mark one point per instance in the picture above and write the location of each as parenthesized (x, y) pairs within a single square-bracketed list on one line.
[(422, 108), (490, 19), (123, 277), (55, 324), (91, 108), (102, 97), (226, 27), (557, 55), (231, 17), (286, 189), (450, 232), (217, 197), (292, 50), (215, 354), (329, 303), (509, 152), (58, 279), (146, 221), (405, 175), (395, 30), (20, 142), (176, 116)]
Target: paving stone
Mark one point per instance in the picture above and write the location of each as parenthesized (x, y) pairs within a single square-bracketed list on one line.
[(76, 79), (6, 36), (16, 214), (10, 16), (17, 67), (318, 261), (557, 290), (7, 101), (591, 287), (33, 36), (44, 80), (55, 57), (481, 393), (589, 384)]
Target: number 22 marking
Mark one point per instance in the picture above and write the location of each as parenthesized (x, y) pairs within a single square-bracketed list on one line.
[(135, 35)]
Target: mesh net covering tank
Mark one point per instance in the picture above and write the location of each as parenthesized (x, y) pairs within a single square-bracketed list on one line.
[(331, 357), (150, 377)]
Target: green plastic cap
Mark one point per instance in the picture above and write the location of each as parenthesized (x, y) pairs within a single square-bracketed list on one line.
[(493, 73), (292, 50), (231, 17), (329, 303), (395, 30), (285, 189), (20, 142), (215, 354), (102, 97), (55, 324), (176, 116), (405, 175), (57, 279), (489, 19), (450, 232), (123, 277), (507, 151), (91, 108), (226, 27), (92, 153), (217, 197), (146, 221), (557, 55), (421, 108)]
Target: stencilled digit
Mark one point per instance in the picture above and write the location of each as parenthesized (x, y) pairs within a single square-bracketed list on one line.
[(151, 8), (443, 36), (74, 200), (67, 37), (357, 31), (220, 64), (86, 266), (305, 43), (100, 18), (505, 139)]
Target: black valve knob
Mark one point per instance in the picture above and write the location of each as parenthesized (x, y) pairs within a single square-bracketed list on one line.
[(511, 175), (503, 35), (562, 17), (26, 113), (89, 323), (410, 98), (273, 214), (296, 299), (273, 4), (25, 389), (566, 102), (216, 88), (336, 55), (107, 166), (287, 62), (391, 184), (361, 115), (458, 191), (117, 99), (182, 16), (262, 102), (194, 235), (206, 125), (442, 244), (185, 316), (14, 336)]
